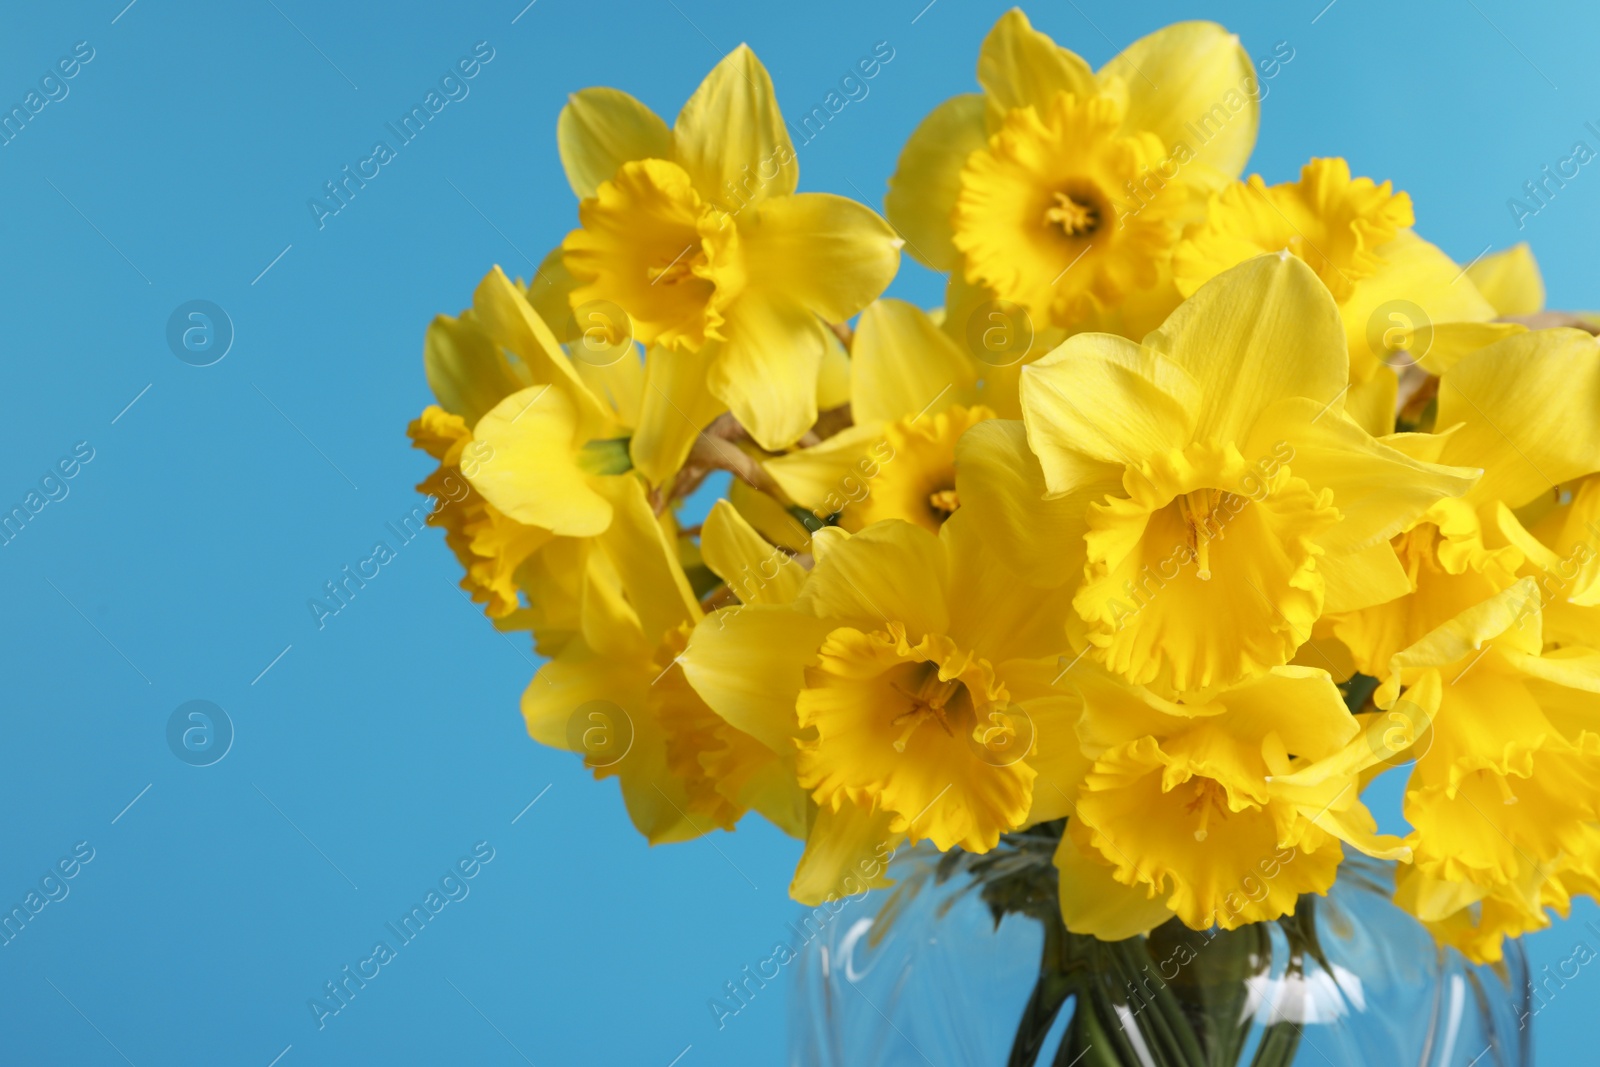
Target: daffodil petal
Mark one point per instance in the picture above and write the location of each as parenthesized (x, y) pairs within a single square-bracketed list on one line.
[(1513, 612), (833, 377), (1510, 280), (922, 192), (510, 320), (757, 572), (748, 663), (1255, 334), (467, 371), (730, 123), (847, 852), (1361, 579), (644, 559), (1107, 398), (861, 581), (766, 370), (675, 406), (1188, 76), (1003, 492), (1434, 899), (1378, 490), (1454, 341), (1370, 404), (1522, 400), (993, 620), (531, 473), (1020, 67), (1094, 903), (903, 365), (826, 253), (600, 129), (550, 291), (770, 518), (1414, 286), (826, 475), (1357, 828), (656, 799), (620, 385)]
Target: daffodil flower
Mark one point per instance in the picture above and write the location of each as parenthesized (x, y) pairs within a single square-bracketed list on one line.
[(490, 369), (1400, 298), (1476, 919), (616, 692), (914, 678), (727, 274), (1505, 794), (913, 394), (1191, 809), (1205, 486), (1062, 189), (1508, 409)]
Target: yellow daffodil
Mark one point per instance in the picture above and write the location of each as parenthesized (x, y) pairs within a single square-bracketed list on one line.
[(915, 681), (913, 394), (1189, 809), (1506, 789), (1398, 295), (727, 273), (510, 540), (616, 692), (1477, 920), (1516, 409), (1062, 189), (490, 546), (1208, 473)]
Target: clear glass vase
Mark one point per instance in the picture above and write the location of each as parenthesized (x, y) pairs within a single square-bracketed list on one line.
[(966, 964)]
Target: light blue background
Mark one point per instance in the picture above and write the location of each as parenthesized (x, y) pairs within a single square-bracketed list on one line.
[(185, 553)]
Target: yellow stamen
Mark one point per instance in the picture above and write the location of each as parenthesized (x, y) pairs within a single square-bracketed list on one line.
[(1198, 511), (945, 501), (680, 268), (1208, 797), (928, 701), (1075, 218), (1506, 795)]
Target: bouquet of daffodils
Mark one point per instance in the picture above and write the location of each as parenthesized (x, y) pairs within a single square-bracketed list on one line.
[(1200, 504)]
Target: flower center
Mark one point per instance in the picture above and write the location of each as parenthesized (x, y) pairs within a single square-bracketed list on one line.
[(1152, 555), (1076, 210), (944, 503), (1205, 512), (681, 267), (1208, 798), (932, 699), (1034, 219), (915, 478), (647, 243)]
